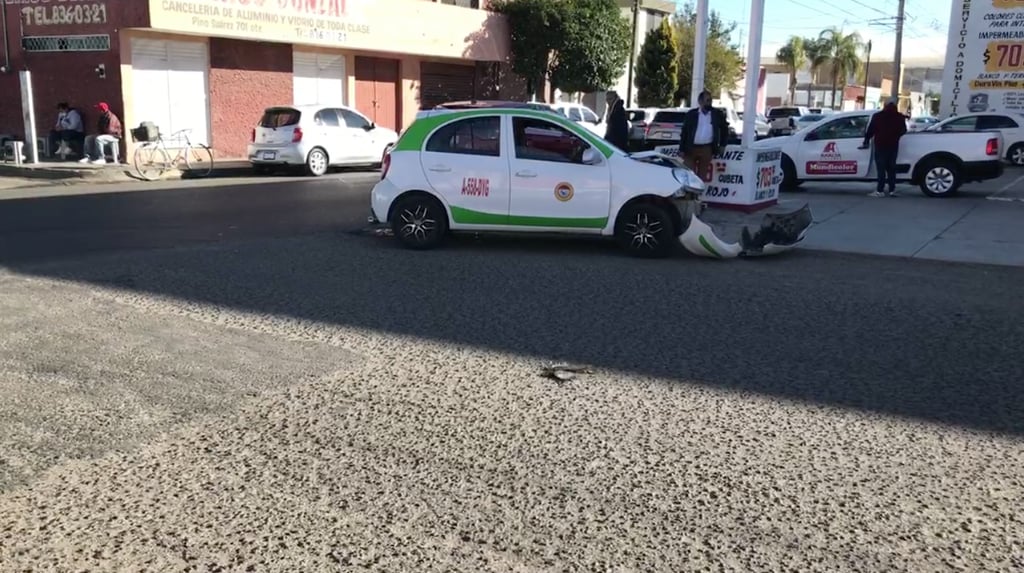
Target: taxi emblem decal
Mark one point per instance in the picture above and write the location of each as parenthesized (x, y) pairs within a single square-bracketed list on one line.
[(564, 192)]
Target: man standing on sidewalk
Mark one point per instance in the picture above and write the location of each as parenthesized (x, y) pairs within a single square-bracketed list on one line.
[(886, 128), (704, 134), (617, 125)]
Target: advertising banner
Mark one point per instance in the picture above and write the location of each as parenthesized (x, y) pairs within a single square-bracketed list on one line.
[(985, 58), (740, 176), (401, 26)]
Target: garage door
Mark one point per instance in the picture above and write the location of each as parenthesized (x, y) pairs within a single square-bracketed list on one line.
[(318, 78), (442, 83), (169, 86)]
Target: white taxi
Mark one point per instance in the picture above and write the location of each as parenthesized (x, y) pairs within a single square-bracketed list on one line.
[(521, 170)]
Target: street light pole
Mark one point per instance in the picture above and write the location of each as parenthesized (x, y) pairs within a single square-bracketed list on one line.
[(867, 74), (632, 54)]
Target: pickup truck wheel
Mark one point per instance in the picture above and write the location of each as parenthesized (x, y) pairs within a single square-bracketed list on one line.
[(940, 179), (645, 230), (1016, 154), (419, 222)]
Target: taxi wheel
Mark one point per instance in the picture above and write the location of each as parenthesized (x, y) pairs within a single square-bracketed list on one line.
[(645, 230), (940, 178), (419, 222)]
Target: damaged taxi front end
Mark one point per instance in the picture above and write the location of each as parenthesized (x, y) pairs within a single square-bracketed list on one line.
[(776, 233)]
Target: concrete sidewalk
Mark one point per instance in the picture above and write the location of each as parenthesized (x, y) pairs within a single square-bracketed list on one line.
[(73, 172), (985, 224)]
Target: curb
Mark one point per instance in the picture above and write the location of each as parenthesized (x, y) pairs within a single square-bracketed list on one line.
[(112, 174)]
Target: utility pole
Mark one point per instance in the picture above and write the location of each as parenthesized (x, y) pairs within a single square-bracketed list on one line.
[(632, 54), (867, 74), (700, 52), (898, 56)]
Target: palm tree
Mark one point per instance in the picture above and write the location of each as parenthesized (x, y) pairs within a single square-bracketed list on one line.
[(793, 57), (843, 51), (816, 52)]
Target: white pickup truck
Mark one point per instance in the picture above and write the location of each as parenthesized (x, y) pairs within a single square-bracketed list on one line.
[(939, 162)]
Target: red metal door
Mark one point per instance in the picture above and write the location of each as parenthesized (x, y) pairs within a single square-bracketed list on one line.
[(377, 90)]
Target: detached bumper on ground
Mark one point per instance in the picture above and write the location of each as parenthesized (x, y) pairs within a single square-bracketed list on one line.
[(778, 233)]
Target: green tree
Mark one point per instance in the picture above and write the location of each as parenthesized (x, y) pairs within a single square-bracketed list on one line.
[(723, 65), (535, 30), (792, 56), (657, 69), (843, 52), (817, 54), (594, 46)]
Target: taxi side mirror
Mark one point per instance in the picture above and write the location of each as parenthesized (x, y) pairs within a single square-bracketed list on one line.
[(590, 156)]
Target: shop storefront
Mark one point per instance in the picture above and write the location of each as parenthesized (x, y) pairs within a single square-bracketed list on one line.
[(212, 66)]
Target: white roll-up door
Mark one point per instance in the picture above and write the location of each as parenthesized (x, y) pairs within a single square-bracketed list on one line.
[(169, 86), (318, 79)]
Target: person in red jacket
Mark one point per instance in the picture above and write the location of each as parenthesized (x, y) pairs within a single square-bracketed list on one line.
[(886, 128)]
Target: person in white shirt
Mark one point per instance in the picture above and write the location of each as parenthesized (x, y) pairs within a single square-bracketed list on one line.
[(68, 133), (704, 134)]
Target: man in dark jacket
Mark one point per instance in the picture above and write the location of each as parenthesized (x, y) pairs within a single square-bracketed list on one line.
[(109, 132), (617, 125), (886, 128), (704, 134)]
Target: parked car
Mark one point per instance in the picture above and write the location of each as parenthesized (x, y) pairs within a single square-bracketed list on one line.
[(582, 115), (761, 126), (921, 122), (317, 137), (1010, 125), (782, 120), (938, 162), (664, 128), (522, 170), (639, 119)]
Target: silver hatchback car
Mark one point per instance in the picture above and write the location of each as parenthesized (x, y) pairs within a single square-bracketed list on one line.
[(317, 137)]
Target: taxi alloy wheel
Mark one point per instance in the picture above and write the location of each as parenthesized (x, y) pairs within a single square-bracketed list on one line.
[(940, 179), (419, 222), (645, 230)]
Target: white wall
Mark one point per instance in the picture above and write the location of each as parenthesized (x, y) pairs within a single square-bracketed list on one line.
[(777, 85)]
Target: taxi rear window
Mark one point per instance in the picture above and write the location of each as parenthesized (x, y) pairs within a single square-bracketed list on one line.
[(470, 136)]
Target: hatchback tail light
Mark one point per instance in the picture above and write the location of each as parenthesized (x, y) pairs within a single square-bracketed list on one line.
[(385, 164), (992, 147), (252, 137), (297, 135)]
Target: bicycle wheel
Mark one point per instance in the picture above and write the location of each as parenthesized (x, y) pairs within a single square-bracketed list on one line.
[(151, 162), (199, 160)]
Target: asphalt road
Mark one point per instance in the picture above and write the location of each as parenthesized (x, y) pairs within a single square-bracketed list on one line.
[(233, 379)]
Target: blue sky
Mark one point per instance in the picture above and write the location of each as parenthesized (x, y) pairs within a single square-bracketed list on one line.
[(924, 34)]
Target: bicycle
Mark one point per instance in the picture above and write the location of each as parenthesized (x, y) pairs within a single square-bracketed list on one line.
[(152, 159)]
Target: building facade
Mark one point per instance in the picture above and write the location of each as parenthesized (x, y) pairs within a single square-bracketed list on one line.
[(212, 66)]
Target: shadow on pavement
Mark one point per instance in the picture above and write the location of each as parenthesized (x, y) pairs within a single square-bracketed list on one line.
[(929, 341)]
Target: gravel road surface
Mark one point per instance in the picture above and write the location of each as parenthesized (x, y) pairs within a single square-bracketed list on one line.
[(332, 403)]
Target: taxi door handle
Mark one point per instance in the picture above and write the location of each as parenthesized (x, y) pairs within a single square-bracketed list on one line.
[(525, 174), (440, 168)]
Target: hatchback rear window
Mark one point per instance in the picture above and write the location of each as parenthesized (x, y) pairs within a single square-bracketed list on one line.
[(280, 117), (669, 117)]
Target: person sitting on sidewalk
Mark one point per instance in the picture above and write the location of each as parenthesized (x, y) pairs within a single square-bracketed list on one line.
[(886, 128), (67, 134), (109, 132)]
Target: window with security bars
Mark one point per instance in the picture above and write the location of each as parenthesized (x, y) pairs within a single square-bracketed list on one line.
[(97, 43)]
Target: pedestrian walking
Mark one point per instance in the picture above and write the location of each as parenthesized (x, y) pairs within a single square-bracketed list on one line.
[(886, 128), (704, 134), (617, 125)]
